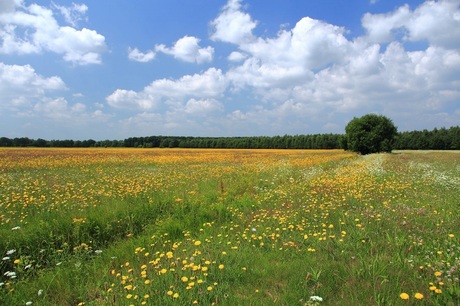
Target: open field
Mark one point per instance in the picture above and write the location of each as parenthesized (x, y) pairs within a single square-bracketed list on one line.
[(228, 227)]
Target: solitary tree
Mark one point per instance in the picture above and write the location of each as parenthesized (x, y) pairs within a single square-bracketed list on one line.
[(370, 134)]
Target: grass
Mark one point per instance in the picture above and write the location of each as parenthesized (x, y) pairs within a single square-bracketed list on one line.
[(228, 227)]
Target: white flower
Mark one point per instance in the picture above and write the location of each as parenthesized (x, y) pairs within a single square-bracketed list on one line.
[(15, 228), (29, 303), (6, 258), (12, 251), (1, 284), (59, 263), (253, 229), (98, 251), (28, 266), (10, 274), (40, 292), (316, 298)]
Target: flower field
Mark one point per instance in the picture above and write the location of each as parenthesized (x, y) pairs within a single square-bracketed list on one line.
[(228, 227)]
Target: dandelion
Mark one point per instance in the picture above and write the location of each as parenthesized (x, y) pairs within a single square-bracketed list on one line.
[(147, 282), (184, 279), (176, 295), (209, 288), (404, 296), (197, 242), (221, 267), (437, 274), (418, 296), (128, 296), (451, 235), (16, 261), (437, 290)]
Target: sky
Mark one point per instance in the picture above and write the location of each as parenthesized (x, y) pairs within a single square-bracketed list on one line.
[(116, 69)]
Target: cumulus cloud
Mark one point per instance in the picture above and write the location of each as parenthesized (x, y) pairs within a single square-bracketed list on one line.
[(33, 29), (21, 85), (209, 84), (188, 49), (34, 98), (203, 106), (236, 56), (138, 56), (437, 22), (233, 25), (312, 70)]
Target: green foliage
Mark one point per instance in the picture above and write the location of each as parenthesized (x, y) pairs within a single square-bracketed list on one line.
[(370, 134)]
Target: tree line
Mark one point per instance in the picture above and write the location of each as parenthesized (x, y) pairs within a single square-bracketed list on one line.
[(436, 139)]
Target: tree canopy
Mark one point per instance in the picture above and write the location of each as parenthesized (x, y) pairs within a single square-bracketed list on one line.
[(370, 133)]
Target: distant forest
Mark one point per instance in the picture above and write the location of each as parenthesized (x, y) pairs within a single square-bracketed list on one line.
[(436, 139)]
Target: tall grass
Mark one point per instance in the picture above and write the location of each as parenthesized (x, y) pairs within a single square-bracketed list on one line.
[(228, 227)]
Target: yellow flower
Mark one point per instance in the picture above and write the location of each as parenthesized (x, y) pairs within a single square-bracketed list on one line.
[(147, 282), (418, 296), (404, 296), (169, 293), (184, 279), (221, 267), (129, 296), (437, 274), (438, 291), (432, 288), (17, 261), (451, 235), (197, 242), (209, 288), (176, 295)]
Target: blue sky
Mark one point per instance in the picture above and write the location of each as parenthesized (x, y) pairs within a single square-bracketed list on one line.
[(80, 70)]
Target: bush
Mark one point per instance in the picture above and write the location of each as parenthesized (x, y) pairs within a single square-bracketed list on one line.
[(370, 134)]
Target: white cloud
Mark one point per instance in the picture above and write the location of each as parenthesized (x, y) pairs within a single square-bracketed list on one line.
[(233, 25), (236, 56), (7, 6), (138, 56), (437, 22), (203, 106), (33, 29), (72, 14), (21, 85), (188, 49), (209, 84)]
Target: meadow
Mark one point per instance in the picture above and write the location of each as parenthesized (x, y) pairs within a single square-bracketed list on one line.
[(228, 227)]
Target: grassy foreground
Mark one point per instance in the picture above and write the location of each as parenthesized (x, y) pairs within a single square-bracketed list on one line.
[(228, 227)]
